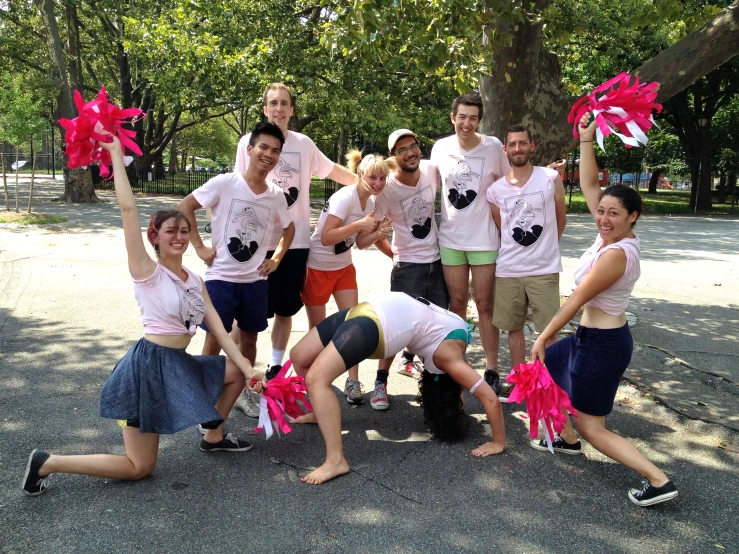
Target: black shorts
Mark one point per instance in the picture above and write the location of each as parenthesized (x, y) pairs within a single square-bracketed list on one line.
[(426, 280), (285, 284), (355, 340)]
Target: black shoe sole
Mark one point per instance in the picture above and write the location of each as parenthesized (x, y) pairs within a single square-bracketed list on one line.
[(226, 449)]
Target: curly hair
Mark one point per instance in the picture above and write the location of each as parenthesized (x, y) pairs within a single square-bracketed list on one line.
[(443, 411)]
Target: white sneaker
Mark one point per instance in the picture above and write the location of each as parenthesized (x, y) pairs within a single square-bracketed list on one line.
[(353, 392), (248, 402), (378, 399)]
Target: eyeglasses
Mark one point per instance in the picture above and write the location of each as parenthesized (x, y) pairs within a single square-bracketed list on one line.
[(412, 148)]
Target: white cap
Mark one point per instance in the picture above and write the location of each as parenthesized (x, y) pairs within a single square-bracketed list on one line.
[(398, 134)]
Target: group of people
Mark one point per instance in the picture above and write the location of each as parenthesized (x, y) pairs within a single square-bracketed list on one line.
[(501, 221)]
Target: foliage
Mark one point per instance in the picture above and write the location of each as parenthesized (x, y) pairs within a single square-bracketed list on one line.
[(20, 112)]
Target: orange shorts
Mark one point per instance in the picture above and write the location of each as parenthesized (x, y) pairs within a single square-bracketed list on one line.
[(319, 285)]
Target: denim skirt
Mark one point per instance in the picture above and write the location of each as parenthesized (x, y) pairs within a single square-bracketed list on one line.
[(165, 389), (589, 365)]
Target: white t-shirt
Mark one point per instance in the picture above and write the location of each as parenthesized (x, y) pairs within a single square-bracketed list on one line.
[(466, 221), (299, 161), (242, 223), (415, 236), (409, 323), (345, 205), (529, 243)]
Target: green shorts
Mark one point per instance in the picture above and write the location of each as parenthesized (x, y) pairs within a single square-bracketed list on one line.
[(450, 256)]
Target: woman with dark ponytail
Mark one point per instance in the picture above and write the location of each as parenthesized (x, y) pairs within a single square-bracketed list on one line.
[(589, 364)]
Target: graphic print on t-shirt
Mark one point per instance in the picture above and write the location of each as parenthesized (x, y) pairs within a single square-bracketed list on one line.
[(348, 242), (286, 175), (527, 218), (464, 182), (192, 307), (417, 214), (245, 228)]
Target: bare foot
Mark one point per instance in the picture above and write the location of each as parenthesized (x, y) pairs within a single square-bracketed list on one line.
[(488, 449), (310, 417), (326, 472)]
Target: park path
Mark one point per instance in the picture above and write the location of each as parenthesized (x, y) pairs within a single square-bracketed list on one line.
[(67, 313)]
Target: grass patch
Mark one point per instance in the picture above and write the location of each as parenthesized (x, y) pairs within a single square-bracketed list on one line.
[(664, 202), (34, 218)]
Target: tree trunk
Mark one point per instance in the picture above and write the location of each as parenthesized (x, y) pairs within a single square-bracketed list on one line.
[(653, 180), (17, 171), (5, 183), (722, 188), (78, 187), (172, 157), (705, 179), (525, 84), (30, 190), (731, 182)]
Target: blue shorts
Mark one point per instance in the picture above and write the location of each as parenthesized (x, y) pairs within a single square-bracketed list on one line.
[(244, 302), (589, 366)]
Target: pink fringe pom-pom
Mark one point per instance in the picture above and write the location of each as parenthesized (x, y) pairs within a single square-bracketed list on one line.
[(84, 132), (545, 400), (624, 109), (282, 395)]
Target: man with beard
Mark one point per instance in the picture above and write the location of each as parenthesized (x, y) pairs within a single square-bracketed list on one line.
[(408, 202), (468, 163), (528, 206)]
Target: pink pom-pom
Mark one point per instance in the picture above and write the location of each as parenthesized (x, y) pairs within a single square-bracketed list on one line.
[(84, 132), (545, 400), (280, 399), (623, 109)]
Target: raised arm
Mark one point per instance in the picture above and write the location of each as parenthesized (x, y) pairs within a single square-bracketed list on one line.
[(589, 183), (140, 263)]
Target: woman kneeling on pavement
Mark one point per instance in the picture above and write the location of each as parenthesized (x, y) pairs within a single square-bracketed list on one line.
[(157, 387), (380, 328), (589, 364)]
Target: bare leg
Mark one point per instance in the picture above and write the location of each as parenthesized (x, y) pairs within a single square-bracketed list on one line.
[(248, 345), (211, 346), (483, 285), (139, 461), (517, 346), (316, 314), (233, 383), (303, 355), (281, 329), (327, 367), (346, 299), (457, 279), (593, 429)]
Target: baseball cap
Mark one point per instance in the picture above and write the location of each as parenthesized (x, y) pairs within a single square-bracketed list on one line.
[(398, 134)]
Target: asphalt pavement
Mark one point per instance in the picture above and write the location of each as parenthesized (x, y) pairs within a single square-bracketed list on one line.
[(67, 314)]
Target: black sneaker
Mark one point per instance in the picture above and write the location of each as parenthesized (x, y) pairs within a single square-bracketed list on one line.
[(559, 445), (33, 484), (229, 443), (493, 379), (273, 371), (649, 494)]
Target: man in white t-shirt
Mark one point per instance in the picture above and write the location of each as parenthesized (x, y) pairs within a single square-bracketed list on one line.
[(408, 201), (528, 206), (468, 163), (299, 161), (245, 210)]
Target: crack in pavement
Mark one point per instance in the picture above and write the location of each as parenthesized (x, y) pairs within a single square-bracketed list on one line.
[(686, 364), (661, 400), (368, 478)]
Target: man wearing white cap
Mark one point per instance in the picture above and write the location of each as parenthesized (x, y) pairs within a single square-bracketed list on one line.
[(408, 202)]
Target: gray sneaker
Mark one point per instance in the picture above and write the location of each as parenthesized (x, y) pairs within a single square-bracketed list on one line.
[(248, 402), (353, 392)]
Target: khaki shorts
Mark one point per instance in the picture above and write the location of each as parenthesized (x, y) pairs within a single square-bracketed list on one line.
[(514, 294)]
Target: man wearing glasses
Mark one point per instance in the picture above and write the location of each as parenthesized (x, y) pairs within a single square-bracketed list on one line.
[(408, 202)]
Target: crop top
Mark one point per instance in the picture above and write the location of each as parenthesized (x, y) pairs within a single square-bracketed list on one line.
[(168, 305), (615, 299)]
